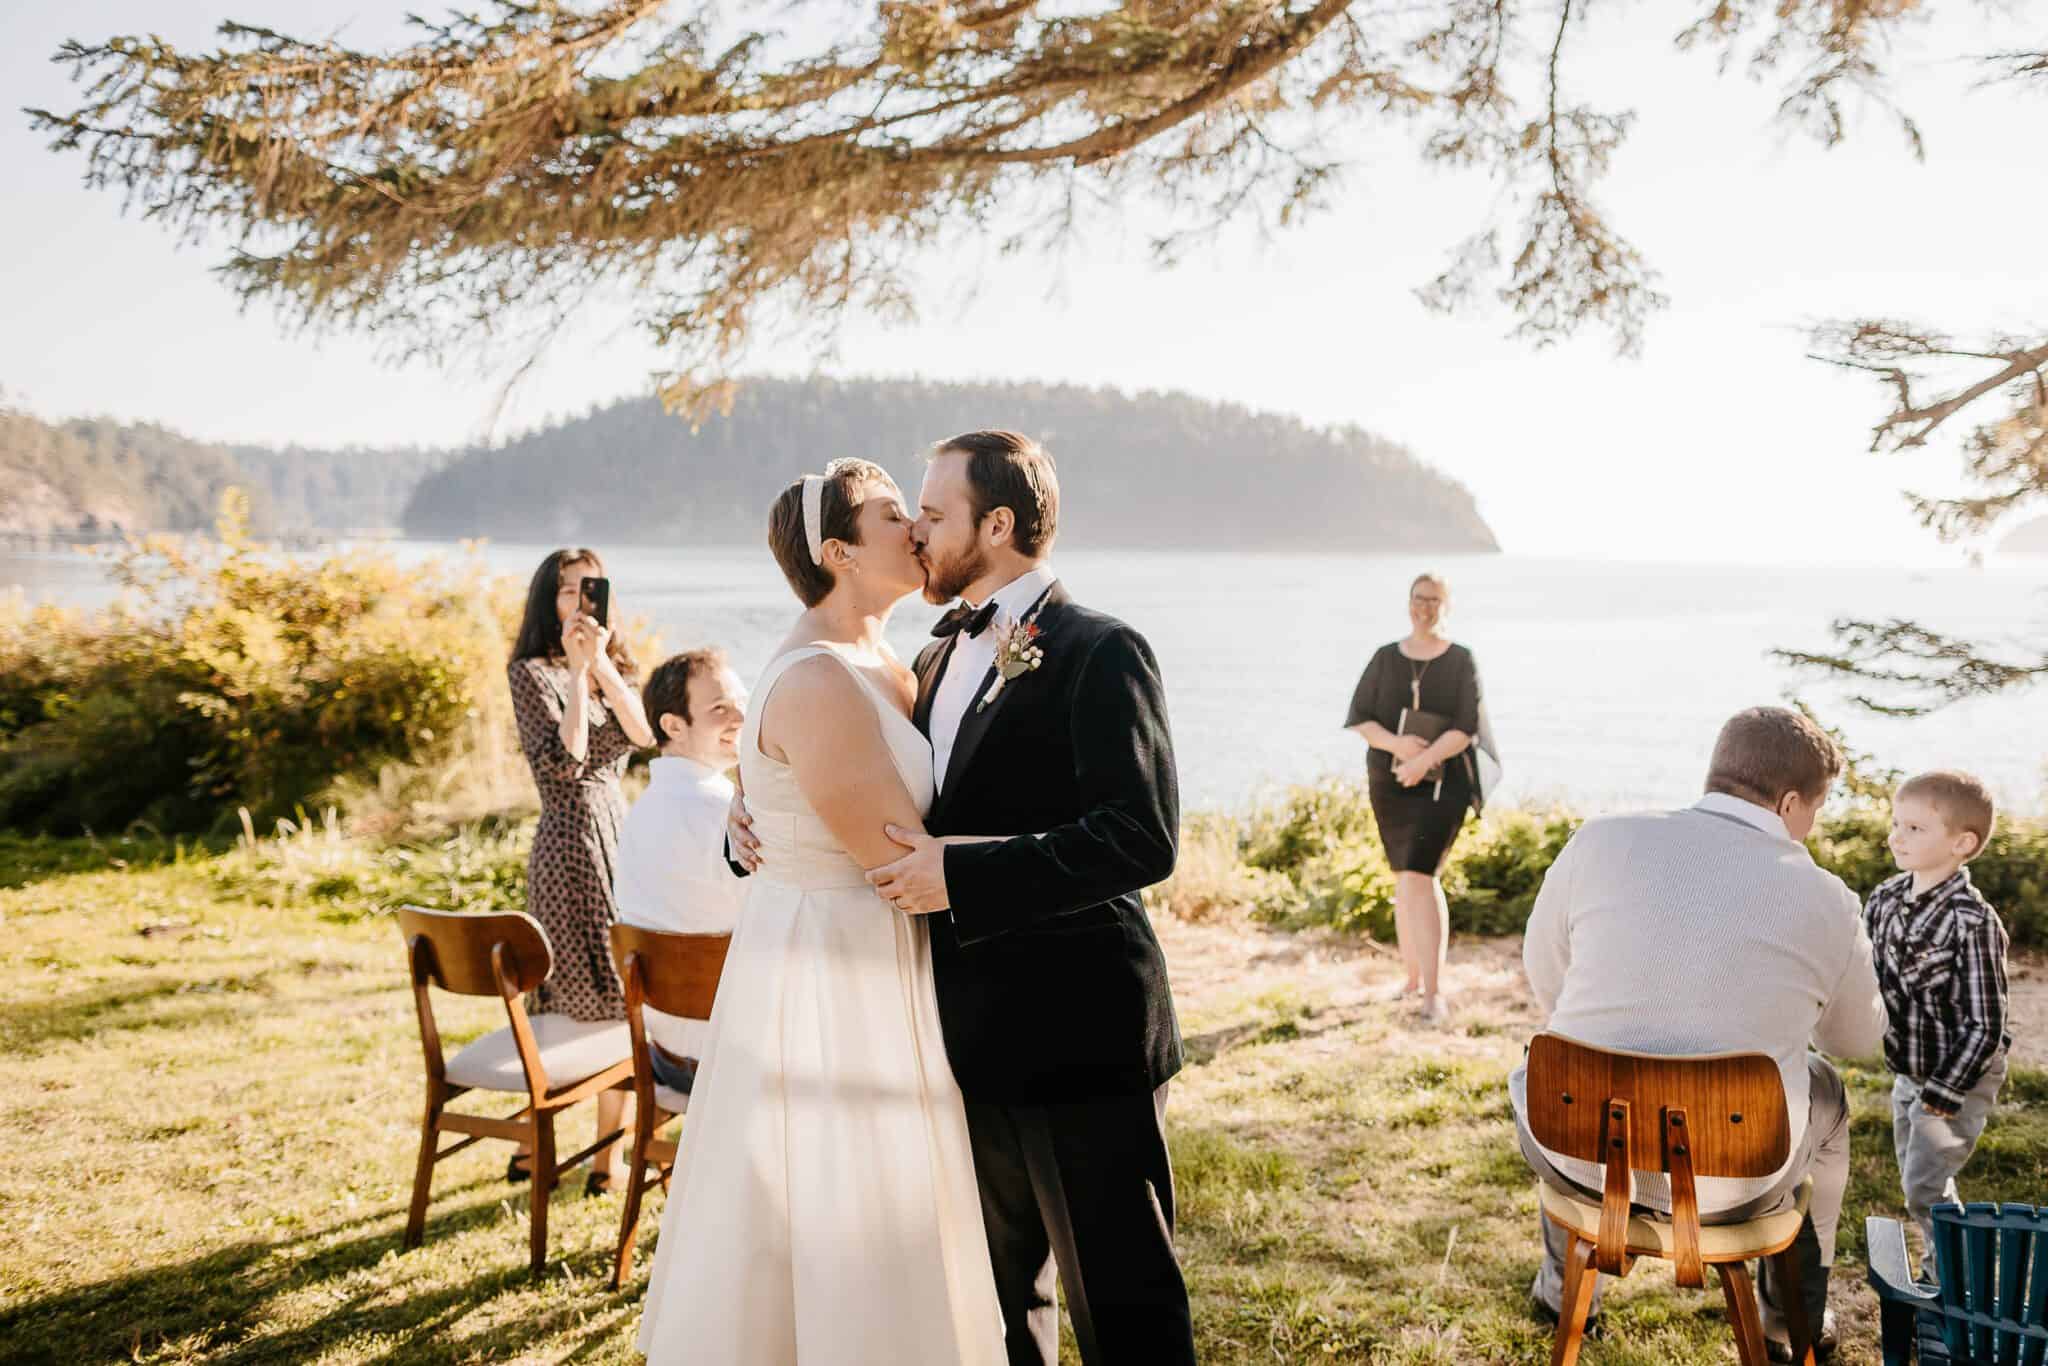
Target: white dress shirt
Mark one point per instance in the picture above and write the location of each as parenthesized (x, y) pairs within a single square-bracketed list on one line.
[(962, 686), (1702, 930), (671, 873)]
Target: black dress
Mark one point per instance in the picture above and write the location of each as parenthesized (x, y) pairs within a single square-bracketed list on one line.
[(1417, 824)]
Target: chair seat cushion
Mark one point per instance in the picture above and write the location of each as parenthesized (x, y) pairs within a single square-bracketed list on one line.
[(570, 1051), (1652, 1237), (673, 1101)]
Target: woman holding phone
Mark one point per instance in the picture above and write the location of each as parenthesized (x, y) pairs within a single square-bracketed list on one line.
[(1418, 707), (576, 698)]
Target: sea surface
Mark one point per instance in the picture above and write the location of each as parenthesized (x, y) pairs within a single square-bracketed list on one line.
[(1606, 681)]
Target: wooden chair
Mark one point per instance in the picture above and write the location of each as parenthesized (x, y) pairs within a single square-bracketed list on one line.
[(676, 974), (1990, 1302), (1688, 1117), (551, 1060)]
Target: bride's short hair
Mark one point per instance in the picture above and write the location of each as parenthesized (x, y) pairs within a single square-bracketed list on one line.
[(839, 507)]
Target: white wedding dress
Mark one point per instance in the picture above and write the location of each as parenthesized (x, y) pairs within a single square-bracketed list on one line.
[(824, 1209)]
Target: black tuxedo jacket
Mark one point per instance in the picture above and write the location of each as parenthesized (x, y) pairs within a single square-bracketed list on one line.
[(1050, 981)]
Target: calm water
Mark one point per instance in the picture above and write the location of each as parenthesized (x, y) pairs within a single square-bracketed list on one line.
[(1606, 681)]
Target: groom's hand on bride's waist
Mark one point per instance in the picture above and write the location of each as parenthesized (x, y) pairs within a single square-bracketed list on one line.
[(916, 883), (741, 846)]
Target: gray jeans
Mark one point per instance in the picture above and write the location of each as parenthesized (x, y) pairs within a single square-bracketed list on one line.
[(1823, 1154), (1932, 1149)]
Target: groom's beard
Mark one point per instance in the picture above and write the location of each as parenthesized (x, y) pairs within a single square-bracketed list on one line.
[(945, 580)]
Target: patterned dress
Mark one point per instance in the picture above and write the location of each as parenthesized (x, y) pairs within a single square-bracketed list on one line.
[(569, 874)]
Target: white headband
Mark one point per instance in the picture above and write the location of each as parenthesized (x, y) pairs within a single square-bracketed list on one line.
[(814, 516)]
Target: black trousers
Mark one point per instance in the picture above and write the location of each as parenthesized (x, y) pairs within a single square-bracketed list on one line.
[(1083, 1188)]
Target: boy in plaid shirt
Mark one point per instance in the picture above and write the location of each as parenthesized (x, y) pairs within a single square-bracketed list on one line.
[(1939, 949)]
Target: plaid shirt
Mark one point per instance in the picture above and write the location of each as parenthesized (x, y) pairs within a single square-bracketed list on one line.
[(1940, 959)]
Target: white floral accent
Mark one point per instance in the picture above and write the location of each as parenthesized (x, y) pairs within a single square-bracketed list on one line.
[(1017, 653)]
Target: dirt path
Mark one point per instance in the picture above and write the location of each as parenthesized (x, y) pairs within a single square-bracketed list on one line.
[(1483, 977)]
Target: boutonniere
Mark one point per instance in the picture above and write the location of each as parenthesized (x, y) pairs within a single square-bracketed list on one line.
[(1017, 653)]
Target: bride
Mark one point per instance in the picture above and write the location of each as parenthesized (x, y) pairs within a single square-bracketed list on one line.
[(825, 1208)]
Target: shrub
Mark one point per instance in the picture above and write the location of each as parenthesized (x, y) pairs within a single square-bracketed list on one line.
[(2012, 872), (232, 676), (1322, 839), (1497, 865), (1209, 879), (1322, 863)]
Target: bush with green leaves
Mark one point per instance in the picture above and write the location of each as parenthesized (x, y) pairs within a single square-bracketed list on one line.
[(1321, 855), (232, 676)]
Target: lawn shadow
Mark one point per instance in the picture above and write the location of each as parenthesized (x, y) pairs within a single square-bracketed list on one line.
[(1204, 1048), (78, 1015), (218, 1307)]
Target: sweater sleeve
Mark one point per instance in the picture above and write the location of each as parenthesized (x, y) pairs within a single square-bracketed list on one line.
[(1852, 1019), (1547, 938)]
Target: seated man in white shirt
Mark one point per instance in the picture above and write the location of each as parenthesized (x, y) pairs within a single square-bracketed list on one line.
[(1706, 930), (671, 872)]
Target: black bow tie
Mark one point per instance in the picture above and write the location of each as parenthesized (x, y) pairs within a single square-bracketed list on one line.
[(965, 620)]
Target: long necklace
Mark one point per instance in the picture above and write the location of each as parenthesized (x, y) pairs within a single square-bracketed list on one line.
[(1416, 669)]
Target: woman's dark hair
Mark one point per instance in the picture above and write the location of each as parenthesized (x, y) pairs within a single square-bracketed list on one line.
[(540, 628), (839, 504)]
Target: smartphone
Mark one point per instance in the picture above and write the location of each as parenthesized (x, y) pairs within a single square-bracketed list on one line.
[(597, 600)]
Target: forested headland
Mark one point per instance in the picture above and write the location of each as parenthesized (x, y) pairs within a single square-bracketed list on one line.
[(1144, 470), (95, 477)]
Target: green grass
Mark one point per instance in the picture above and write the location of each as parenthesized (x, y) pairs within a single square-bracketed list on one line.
[(211, 1101)]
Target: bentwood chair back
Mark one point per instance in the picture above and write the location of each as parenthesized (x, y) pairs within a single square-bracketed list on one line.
[(550, 1061), (1718, 1115), (676, 974)]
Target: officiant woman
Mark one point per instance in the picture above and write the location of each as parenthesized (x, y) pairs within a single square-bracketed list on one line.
[(1417, 707)]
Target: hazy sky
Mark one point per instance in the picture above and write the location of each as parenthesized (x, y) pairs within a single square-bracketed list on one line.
[(1722, 441)]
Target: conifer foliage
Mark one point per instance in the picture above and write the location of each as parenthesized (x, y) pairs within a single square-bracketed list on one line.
[(511, 159)]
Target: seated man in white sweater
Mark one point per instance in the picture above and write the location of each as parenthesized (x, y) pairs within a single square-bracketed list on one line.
[(1707, 930), (671, 872)]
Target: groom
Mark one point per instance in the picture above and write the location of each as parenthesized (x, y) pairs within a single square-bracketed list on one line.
[(1052, 990), (1048, 725)]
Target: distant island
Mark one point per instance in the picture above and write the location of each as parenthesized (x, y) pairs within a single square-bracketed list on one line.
[(1158, 470)]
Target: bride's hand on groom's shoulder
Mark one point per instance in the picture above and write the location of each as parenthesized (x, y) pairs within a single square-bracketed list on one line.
[(916, 883)]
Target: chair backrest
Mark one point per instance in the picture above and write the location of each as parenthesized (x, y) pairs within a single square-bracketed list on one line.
[(1734, 1105), (459, 947), (676, 974), (1720, 1114), (1993, 1264)]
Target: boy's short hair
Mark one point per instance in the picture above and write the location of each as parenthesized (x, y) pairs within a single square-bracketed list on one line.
[(668, 687), (1961, 800)]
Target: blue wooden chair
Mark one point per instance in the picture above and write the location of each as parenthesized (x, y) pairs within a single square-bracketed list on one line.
[(1989, 1306)]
